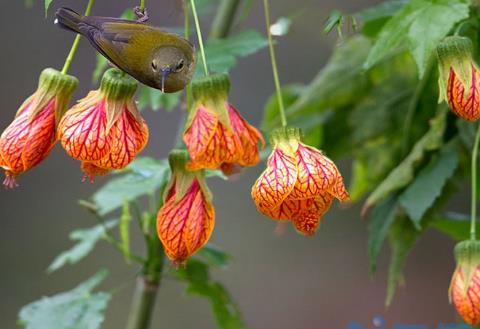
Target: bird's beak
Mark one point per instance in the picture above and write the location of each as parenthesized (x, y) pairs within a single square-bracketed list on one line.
[(165, 72)]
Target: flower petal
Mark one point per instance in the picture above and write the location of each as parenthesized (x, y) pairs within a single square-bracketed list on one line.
[(276, 182), (198, 135), (467, 301), (465, 105), (308, 215)]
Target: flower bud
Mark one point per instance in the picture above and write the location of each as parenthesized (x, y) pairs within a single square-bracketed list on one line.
[(31, 136), (465, 285), (216, 135), (459, 77), (105, 129), (299, 183), (186, 220)]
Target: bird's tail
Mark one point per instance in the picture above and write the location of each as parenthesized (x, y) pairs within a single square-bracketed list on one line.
[(68, 19)]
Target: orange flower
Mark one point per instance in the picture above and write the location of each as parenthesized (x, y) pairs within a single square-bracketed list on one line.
[(216, 135), (299, 183), (185, 222), (459, 78), (105, 129), (465, 285), (31, 136)]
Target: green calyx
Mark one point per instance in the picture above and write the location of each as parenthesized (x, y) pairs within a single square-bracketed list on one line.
[(116, 85), (53, 84), (211, 88), (455, 53), (285, 135), (467, 255)]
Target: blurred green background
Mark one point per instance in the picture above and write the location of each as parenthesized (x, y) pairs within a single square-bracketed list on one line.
[(282, 282)]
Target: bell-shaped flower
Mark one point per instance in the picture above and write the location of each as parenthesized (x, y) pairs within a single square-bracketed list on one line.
[(216, 135), (105, 129), (459, 77), (465, 284), (31, 136), (186, 220), (299, 183)]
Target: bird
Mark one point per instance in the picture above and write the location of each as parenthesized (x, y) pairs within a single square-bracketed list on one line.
[(158, 59)]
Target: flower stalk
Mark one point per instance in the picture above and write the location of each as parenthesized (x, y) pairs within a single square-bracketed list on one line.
[(473, 213), (199, 36)]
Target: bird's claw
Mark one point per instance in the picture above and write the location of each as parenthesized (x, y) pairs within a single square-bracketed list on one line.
[(142, 14)]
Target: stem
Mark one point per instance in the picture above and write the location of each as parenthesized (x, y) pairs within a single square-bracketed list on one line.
[(143, 304), (223, 20), (473, 218), (73, 50), (199, 36), (142, 5), (273, 58)]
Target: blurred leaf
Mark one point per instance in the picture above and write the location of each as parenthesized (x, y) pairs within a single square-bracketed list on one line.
[(335, 20), (214, 255), (402, 238), (47, 6), (155, 99), (428, 184), (290, 94), (281, 26), (420, 25), (143, 176), (374, 18), (456, 227), (379, 222), (124, 230), (196, 274), (403, 174), (28, 4), (222, 54), (75, 309), (86, 240)]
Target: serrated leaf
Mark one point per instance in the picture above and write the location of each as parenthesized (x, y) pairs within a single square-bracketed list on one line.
[(196, 275), (374, 18), (222, 54), (155, 99), (214, 255), (143, 176), (86, 240), (428, 185), (402, 238), (455, 226), (420, 25), (75, 309), (403, 174), (124, 230), (47, 6), (379, 222)]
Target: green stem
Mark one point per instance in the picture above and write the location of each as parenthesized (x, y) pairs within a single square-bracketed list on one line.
[(142, 5), (273, 58), (223, 21), (73, 50), (143, 304), (473, 219), (199, 36)]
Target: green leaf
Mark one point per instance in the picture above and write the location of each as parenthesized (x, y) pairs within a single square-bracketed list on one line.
[(155, 99), (335, 20), (428, 185), (86, 240), (402, 238), (420, 25), (379, 222), (197, 276), (75, 309), (455, 226), (143, 176), (47, 6), (374, 18), (222, 54), (124, 230), (214, 255), (403, 174), (290, 94)]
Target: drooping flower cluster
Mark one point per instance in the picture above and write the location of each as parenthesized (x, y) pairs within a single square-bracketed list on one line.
[(32, 134), (459, 77), (186, 220), (216, 135), (465, 285), (105, 129), (299, 183)]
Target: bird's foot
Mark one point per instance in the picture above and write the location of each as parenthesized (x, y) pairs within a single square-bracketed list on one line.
[(142, 14)]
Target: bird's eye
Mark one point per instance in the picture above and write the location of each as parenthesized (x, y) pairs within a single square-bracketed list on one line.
[(180, 66), (154, 66)]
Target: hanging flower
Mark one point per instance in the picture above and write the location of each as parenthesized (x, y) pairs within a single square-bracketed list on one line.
[(459, 77), (31, 136), (216, 135), (299, 183), (105, 129), (465, 285), (185, 222)]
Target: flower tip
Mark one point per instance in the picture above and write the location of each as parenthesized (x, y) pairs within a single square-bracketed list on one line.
[(10, 181)]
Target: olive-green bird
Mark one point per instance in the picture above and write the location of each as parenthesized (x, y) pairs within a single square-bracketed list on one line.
[(159, 59)]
